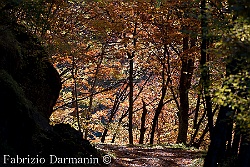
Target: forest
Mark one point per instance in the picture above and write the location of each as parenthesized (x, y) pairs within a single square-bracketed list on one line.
[(148, 72)]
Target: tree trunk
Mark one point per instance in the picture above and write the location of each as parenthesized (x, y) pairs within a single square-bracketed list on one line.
[(126, 113), (119, 98), (130, 109), (205, 78), (236, 141), (197, 128), (105, 132), (91, 97), (244, 155), (201, 139), (217, 148), (198, 142), (109, 121), (163, 90), (74, 72), (131, 87), (119, 124), (185, 83), (157, 112), (196, 114), (222, 133), (143, 120)]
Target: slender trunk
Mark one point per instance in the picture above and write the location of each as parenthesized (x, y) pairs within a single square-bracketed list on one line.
[(119, 124), (131, 88), (197, 108), (109, 121), (119, 98), (205, 78), (236, 141), (91, 97), (157, 112), (143, 120), (192, 142), (163, 91), (196, 114), (75, 93), (229, 137), (185, 83), (198, 142), (88, 112), (126, 113)]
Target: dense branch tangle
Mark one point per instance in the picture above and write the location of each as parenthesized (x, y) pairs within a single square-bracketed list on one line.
[(142, 40)]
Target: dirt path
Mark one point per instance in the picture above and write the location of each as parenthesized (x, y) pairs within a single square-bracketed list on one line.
[(151, 157)]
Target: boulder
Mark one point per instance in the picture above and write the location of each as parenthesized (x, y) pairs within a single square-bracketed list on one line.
[(30, 86)]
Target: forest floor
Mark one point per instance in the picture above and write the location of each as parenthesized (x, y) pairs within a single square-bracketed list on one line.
[(157, 156)]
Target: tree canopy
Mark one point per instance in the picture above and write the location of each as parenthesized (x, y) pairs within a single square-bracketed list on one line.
[(149, 71)]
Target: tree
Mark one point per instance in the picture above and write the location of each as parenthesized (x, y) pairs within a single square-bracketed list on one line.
[(143, 120), (163, 92), (185, 83), (142, 39), (120, 97), (233, 96)]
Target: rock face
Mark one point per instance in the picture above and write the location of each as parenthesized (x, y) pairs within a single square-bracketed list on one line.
[(25, 60), (29, 88)]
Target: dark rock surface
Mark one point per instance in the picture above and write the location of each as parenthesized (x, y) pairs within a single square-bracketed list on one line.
[(29, 88)]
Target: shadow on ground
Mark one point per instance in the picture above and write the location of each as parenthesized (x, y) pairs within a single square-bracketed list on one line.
[(150, 157)]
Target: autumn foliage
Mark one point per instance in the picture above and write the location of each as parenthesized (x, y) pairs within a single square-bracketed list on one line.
[(94, 44), (144, 71)]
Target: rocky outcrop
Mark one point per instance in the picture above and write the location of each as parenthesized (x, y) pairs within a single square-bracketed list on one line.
[(26, 61), (29, 88)]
